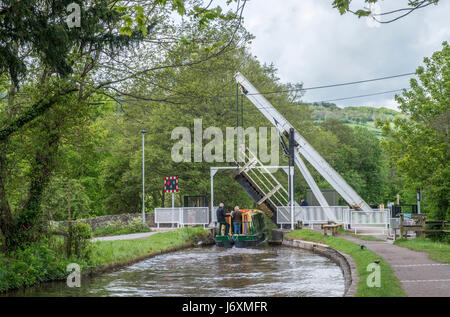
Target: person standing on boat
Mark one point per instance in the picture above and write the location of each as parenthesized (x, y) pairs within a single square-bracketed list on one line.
[(237, 220), (221, 214)]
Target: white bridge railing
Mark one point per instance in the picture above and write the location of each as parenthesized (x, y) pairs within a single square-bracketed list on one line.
[(182, 216), (369, 220), (309, 214), (376, 219)]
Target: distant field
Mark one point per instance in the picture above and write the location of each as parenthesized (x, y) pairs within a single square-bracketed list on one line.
[(353, 116)]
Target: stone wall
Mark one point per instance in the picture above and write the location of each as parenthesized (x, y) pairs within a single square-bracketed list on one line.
[(101, 221)]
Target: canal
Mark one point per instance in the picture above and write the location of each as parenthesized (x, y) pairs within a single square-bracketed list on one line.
[(212, 271)]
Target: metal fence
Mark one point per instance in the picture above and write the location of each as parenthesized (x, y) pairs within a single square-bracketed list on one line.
[(352, 219), (376, 219), (310, 214), (195, 215), (284, 214), (394, 223), (182, 216)]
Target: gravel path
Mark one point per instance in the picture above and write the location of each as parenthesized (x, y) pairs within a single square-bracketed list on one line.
[(131, 236)]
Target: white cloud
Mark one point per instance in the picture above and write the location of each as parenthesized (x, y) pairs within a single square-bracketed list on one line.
[(310, 42), (391, 104)]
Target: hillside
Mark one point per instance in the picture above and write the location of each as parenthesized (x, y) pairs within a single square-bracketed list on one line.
[(353, 116)]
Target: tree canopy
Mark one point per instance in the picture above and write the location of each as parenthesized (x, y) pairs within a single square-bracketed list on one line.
[(418, 145), (53, 76)]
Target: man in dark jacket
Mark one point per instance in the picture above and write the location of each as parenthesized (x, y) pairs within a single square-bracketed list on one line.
[(237, 220), (303, 202), (221, 214)]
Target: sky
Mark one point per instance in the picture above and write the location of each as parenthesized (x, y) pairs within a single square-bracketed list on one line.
[(309, 42)]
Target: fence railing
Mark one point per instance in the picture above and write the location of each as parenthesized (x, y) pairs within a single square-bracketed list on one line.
[(394, 223), (369, 220), (182, 216), (376, 219), (310, 214)]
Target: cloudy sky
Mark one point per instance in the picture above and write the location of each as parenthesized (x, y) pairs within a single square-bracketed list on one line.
[(310, 42)]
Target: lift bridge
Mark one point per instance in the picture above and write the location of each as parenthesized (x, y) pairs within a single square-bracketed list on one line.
[(264, 188), (261, 184)]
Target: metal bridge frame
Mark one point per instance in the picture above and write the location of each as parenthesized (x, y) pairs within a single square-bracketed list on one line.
[(305, 149), (290, 174)]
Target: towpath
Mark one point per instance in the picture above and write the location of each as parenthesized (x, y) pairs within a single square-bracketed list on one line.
[(419, 275), (132, 236)]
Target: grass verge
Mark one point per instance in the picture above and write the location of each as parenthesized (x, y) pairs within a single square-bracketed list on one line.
[(390, 285), (45, 261), (120, 252), (103, 232), (438, 251)]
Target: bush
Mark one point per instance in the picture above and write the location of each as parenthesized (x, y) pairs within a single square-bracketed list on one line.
[(78, 241), (34, 263), (136, 225)]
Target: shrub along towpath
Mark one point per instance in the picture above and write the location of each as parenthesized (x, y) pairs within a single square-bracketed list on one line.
[(418, 274)]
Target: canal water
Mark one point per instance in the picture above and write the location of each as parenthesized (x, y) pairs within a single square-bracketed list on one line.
[(212, 271)]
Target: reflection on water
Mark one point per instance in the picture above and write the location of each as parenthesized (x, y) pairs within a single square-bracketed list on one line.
[(273, 271)]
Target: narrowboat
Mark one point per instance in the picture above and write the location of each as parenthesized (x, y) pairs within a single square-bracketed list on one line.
[(253, 231)]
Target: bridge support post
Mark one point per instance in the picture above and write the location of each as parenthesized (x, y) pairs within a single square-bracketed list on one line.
[(291, 174)]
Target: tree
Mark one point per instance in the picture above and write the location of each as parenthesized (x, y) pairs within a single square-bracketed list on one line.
[(60, 70), (37, 30), (358, 158), (418, 145), (200, 92)]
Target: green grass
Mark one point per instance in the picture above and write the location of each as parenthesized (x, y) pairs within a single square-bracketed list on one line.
[(438, 251), (390, 285), (111, 253), (107, 231)]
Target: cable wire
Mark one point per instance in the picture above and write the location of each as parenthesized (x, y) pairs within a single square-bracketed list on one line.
[(334, 85), (367, 95)]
